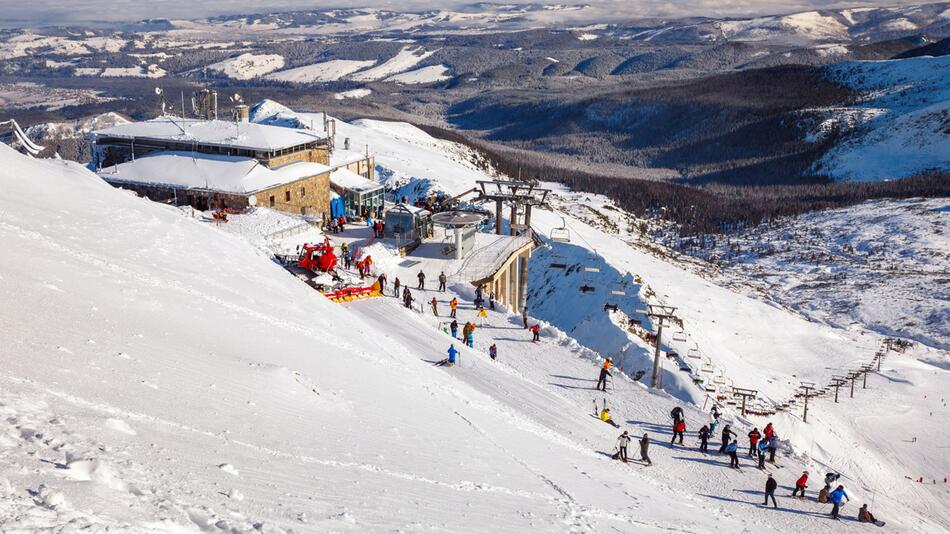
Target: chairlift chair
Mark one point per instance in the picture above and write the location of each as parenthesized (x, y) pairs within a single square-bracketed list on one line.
[(679, 336), (561, 234), (694, 354)]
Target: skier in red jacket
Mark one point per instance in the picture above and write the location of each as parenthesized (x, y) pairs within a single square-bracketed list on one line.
[(801, 484), (753, 440), (679, 428)]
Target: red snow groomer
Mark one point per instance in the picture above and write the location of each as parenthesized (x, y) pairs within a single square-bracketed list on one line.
[(336, 285), (317, 258)]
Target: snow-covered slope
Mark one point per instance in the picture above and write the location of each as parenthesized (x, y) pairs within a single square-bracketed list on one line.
[(430, 74), (901, 125), (327, 71), (248, 66), (407, 58), (160, 375)]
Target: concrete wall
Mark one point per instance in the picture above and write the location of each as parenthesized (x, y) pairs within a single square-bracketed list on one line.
[(364, 167)]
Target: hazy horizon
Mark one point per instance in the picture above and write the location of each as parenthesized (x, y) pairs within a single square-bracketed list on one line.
[(91, 12)]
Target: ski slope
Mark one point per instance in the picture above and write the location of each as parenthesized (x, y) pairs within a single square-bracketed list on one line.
[(248, 66), (326, 71)]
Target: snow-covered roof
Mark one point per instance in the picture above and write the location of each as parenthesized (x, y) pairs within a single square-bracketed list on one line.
[(348, 179), (247, 135), (341, 156), (228, 174)]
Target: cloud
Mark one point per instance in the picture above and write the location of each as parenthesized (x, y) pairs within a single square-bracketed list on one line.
[(58, 12)]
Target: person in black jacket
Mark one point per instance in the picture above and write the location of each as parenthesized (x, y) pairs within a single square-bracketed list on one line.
[(676, 414), (727, 434), (704, 438), (770, 487)]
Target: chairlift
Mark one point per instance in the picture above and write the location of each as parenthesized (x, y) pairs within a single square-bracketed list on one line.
[(719, 380), (618, 288), (707, 369), (694, 354), (679, 336), (561, 234), (587, 289)]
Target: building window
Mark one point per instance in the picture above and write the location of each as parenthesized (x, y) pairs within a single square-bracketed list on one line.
[(286, 196), (272, 201), (303, 191)]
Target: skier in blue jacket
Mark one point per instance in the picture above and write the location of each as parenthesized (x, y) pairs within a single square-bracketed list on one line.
[(732, 450), (453, 352), (835, 497)]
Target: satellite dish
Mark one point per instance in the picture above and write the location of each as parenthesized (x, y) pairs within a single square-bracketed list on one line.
[(252, 200), (158, 91), (236, 98)]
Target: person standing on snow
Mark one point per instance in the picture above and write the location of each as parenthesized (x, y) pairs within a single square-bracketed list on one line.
[(677, 414), (422, 280), (823, 494), (679, 428), (622, 442), (836, 497), (491, 300), (773, 446), (727, 434), (442, 282), (768, 431), (454, 327), (770, 486), (761, 448), (470, 339), (645, 449), (482, 316), (704, 439), (831, 478), (604, 373), (535, 333), (493, 352), (753, 440), (382, 283), (453, 306), (435, 307), (801, 484), (396, 287), (715, 412), (453, 353), (409, 299), (524, 316), (733, 450)]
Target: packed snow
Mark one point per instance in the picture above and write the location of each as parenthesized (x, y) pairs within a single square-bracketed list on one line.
[(362, 92)]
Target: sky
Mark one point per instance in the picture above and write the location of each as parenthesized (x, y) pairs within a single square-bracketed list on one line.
[(57, 12)]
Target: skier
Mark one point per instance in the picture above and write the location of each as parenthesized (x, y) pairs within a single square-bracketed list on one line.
[(761, 448), (773, 445), (524, 316), (470, 339), (770, 487), (442, 281), (622, 442), (753, 440), (482, 316), (396, 287), (422, 280), (679, 428), (478, 293), (831, 478), (704, 439), (344, 249), (835, 497), (676, 414), (605, 417), (453, 306), (493, 352), (454, 326), (535, 332), (715, 412), (453, 353), (865, 516), (712, 426), (435, 307), (768, 431), (407, 297), (733, 450), (382, 283), (645, 449), (491, 300), (727, 434), (801, 484), (823, 494), (604, 373)]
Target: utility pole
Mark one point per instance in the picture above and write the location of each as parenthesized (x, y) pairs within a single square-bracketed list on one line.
[(807, 387), (852, 375), (660, 313)]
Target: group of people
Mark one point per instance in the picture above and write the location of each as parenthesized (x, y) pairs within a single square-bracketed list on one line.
[(624, 441)]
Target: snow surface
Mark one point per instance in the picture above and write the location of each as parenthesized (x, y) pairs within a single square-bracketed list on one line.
[(248, 66), (430, 74), (126, 334), (215, 132), (327, 71), (407, 58), (353, 93), (907, 102), (190, 170)]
